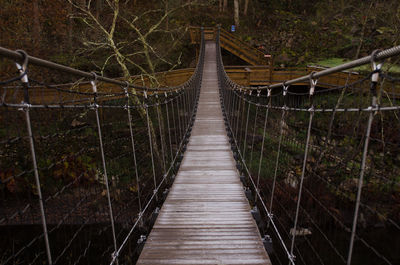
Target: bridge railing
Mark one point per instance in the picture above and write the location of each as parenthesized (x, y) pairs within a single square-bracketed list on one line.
[(233, 44), (322, 164), (85, 167)]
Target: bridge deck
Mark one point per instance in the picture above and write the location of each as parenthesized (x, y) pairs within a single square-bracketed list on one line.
[(206, 218)]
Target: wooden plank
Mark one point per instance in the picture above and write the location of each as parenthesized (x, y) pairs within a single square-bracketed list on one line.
[(206, 218)]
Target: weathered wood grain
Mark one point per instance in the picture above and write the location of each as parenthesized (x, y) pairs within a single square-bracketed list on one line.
[(206, 218)]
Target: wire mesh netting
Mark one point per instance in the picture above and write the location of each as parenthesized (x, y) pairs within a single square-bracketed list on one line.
[(322, 162), (84, 166)]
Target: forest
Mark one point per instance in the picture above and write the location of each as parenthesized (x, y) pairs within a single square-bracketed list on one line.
[(98, 159), (152, 36)]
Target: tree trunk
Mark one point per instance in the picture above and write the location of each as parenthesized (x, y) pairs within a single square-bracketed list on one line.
[(236, 12), (363, 31), (36, 23), (166, 12), (246, 5), (225, 7), (70, 28), (99, 8)]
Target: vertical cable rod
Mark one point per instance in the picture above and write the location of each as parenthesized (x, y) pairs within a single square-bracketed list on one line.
[(133, 148), (22, 69), (151, 150), (103, 160)]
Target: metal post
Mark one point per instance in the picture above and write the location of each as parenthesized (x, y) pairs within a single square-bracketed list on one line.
[(179, 120), (103, 159), (285, 89), (161, 136), (262, 147), (187, 112), (175, 129), (240, 102), (374, 82), (25, 82), (169, 132), (133, 147), (233, 111), (254, 133), (151, 150), (262, 152), (184, 108), (245, 132), (312, 89)]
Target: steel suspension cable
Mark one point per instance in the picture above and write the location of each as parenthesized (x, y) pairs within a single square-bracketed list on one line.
[(93, 83), (151, 151), (24, 79), (160, 125), (312, 89), (169, 132), (133, 148), (261, 153), (374, 82), (254, 133), (245, 131)]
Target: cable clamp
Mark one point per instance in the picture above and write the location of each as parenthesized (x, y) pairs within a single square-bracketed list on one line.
[(145, 93), (270, 216), (140, 215), (155, 191), (25, 106), (93, 82), (376, 71), (125, 88), (165, 94), (313, 83), (376, 67), (285, 89), (292, 258), (126, 92), (268, 92), (22, 68), (94, 106)]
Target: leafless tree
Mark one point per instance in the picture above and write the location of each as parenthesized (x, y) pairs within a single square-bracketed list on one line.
[(236, 12), (136, 45)]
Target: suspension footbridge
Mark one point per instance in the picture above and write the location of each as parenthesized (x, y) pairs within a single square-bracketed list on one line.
[(103, 171), (206, 217)]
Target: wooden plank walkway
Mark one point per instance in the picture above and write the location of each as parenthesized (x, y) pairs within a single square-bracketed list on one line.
[(206, 217)]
